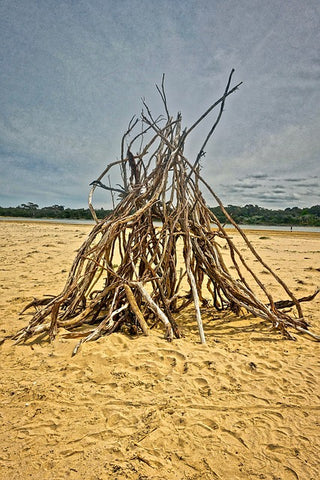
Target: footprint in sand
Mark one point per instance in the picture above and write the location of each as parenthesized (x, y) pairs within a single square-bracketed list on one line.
[(175, 361), (211, 423), (203, 387)]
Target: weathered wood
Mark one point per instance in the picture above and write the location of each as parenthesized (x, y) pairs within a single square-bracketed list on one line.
[(144, 283), (136, 310)]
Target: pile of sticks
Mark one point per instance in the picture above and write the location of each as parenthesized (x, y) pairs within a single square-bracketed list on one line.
[(159, 252)]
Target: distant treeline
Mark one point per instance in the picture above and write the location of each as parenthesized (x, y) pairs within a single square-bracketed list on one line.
[(249, 214), (32, 210), (255, 215)]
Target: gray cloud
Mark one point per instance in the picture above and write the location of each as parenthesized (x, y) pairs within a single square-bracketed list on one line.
[(293, 180), (273, 197), (72, 75), (263, 176), (243, 186), (310, 184)]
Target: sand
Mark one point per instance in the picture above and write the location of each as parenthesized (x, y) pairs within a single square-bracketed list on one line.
[(243, 406)]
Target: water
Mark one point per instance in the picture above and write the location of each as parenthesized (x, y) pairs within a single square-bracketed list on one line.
[(69, 221), (280, 228)]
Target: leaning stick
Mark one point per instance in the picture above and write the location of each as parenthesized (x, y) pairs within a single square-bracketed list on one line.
[(132, 301), (156, 309)]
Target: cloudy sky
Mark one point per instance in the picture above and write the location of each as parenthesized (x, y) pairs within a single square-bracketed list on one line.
[(72, 74)]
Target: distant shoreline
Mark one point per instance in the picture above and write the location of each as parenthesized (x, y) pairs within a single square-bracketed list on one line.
[(247, 215), (67, 221), (76, 221)]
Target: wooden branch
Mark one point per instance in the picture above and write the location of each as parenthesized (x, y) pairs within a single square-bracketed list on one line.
[(129, 271), (215, 104), (156, 309), (201, 151), (136, 310)]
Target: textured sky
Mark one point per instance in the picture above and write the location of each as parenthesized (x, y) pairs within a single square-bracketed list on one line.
[(72, 74)]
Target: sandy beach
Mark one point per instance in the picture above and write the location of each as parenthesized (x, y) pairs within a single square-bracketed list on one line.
[(243, 406)]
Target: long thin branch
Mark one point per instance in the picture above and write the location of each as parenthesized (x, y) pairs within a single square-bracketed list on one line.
[(221, 99)]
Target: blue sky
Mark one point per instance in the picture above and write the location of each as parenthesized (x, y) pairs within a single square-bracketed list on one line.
[(72, 74)]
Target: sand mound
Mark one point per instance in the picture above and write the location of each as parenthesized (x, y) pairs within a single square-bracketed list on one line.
[(244, 406)]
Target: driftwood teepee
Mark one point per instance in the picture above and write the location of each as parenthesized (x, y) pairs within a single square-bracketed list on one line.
[(144, 286)]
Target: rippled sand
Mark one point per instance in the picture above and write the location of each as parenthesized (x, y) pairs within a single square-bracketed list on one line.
[(244, 406)]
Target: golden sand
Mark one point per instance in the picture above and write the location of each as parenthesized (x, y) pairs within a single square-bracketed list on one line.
[(243, 406)]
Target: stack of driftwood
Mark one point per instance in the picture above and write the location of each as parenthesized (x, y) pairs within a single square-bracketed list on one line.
[(160, 250)]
